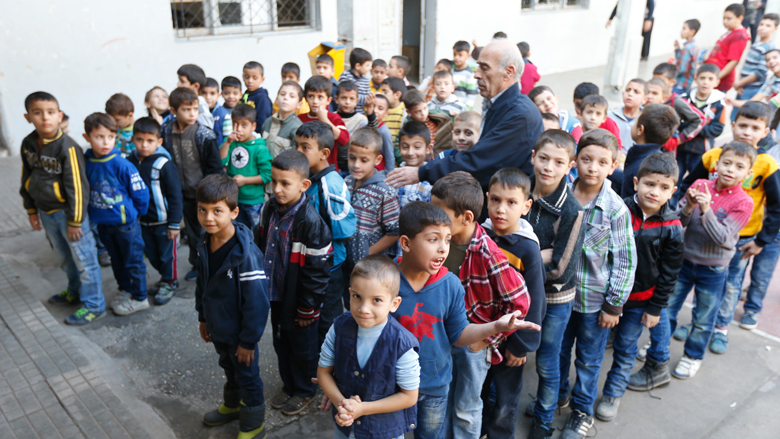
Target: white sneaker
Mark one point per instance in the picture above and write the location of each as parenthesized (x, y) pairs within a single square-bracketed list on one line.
[(686, 368), (131, 306), (642, 354), (120, 297)]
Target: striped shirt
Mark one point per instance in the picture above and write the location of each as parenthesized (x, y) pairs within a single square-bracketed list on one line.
[(394, 119), (771, 86), (363, 85), (605, 271), (755, 62), (465, 86), (449, 105)]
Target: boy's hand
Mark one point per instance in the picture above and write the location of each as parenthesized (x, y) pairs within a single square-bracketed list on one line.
[(513, 322), (325, 404), (608, 320), (232, 137), (35, 222), (370, 103), (547, 255), (704, 198), (204, 333), (240, 180), (649, 320), (303, 323), (322, 113), (676, 44), (750, 249), (155, 115), (690, 200), (74, 233), (173, 234), (245, 355), (513, 361), (453, 113)]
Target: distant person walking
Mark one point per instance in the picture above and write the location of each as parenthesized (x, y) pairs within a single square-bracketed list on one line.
[(647, 27)]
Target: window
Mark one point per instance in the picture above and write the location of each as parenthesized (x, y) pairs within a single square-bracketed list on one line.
[(553, 4), (193, 18)]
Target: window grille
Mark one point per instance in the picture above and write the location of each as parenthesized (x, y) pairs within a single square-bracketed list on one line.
[(553, 4)]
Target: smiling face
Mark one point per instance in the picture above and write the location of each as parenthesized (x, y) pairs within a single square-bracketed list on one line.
[(414, 150), (347, 100), (443, 87), (505, 208), (464, 135), (378, 74), (231, 95), (362, 162), (593, 116), (551, 164), (370, 302), (653, 191), (215, 217), (750, 131), (547, 102), (146, 144), (101, 140), (158, 100), (45, 117), (634, 95), (287, 186), (732, 169), (211, 95), (253, 79), (773, 61), (594, 164), (428, 249)]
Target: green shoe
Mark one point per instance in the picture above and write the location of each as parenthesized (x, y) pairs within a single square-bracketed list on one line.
[(165, 293), (258, 433), (84, 316), (222, 415), (65, 297)]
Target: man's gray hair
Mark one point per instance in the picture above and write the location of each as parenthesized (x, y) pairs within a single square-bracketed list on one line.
[(511, 56)]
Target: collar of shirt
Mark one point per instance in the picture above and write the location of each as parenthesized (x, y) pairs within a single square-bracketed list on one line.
[(601, 201)]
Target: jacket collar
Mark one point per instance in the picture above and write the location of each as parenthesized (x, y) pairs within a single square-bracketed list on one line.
[(318, 176), (526, 230), (503, 97), (91, 155), (239, 252), (378, 177), (554, 202), (601, 199), (665, 214), (715, 96)]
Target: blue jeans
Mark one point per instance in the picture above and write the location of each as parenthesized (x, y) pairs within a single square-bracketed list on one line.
[(337, 434), (761, 274), (161, 251), (660, 336), (249, 215), (99, 244), (126, 248), (78, 259), (548, 360), (245, 379), (464, 402), (431, 414), (591, 344), (732, 291), (707, 283)]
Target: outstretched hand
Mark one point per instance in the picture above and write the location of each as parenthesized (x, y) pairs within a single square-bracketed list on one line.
[(514, 321)]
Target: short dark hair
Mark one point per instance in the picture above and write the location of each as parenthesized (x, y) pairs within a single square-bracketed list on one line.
[(413, 97), (737, 9), (461, 45), (695, 25), (499, 35), (660, 122), (193, 73), (772, 16), (211, 82), (511, 178), (119, 104), (557, 138), (442, 74), (659, 82), (418, 215), (599, 137), (585, 89), (244, 112), (318, 84), (666, 69), (662, 163), (381, 96), (346, 86), (403, 63), (65, 117), (525, 49), (445, 62), (146, 125), (741, 149), (296, 86), (317, 130), (379, 63), (708, 68), (414, 128), (595, 101), (182, 95), (215, 188), (231, 81), (381, 268), (551, 117), (755, 111), (367, 137), (460, 192), (395, 84), (95, 120), (641, 82), (254, 65), (539, 89), (325, 58), (291, 67), (39, 96), (292, 160), (359, 56)]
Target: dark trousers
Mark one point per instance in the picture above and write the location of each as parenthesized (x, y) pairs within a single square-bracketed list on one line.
[(332, 303), (161, 251), (646, 41), (297, 352), (193, 229), (126, 248), (245, 379), (501, 397)]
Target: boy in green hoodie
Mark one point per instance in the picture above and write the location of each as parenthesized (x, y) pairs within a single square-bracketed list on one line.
[(248, 162)]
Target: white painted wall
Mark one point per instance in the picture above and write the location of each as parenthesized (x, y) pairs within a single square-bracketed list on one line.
[(83, 52), (377, 27)]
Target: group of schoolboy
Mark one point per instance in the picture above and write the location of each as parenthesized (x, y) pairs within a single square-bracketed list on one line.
[(292, 218)]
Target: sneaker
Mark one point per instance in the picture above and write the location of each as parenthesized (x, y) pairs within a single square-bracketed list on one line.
[(152, 289), (607, 408), (65, 297), (577, 426), (104, 259), (642, 354), (131, 306), (652, 375), (191, 275), (280, 399), (540, 430), (296, 404), (120, 297), (686, 368), (165, 293), (749, 320), (84, 316), (682, 332), (719, 343)]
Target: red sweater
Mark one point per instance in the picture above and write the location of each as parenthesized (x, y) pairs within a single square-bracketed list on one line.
[(341, 140)]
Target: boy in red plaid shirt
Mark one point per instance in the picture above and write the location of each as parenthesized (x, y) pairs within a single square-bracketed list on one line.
[(493, 288)]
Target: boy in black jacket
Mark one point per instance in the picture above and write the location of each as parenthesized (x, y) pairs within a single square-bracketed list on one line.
[(659, 243), (232, 303), (508, 200), (161, 225), (194, 150), (653, 128), (299, 256)]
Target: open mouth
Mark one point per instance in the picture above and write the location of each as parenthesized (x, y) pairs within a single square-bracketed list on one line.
[(437, 263)]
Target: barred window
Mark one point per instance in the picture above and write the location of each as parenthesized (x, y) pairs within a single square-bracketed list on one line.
[(553, 4), (193, 18)]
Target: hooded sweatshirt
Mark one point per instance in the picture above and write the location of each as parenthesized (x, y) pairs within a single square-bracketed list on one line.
[(118, 194), (262, 104), (165, 199), (250, 159)]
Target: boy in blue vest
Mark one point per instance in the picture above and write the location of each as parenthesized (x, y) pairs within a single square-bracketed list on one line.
[(369, 364), (118, 197), (232, 303)]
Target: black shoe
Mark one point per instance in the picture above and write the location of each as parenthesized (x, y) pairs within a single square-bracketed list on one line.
[(652, 375), (64, 297), (577, 426), (104, 259), (540, 430), (191, 275)]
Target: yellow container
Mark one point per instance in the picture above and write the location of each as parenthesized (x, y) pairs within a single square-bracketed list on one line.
[(335, 50)]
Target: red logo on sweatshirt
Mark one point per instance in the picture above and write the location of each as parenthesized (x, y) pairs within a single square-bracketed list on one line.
[(419, 323)]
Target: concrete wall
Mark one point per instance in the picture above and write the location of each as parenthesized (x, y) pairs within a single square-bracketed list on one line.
[(83, 52)]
